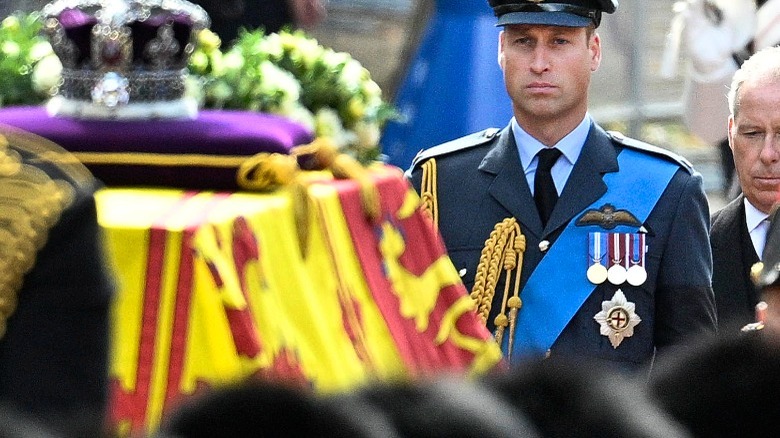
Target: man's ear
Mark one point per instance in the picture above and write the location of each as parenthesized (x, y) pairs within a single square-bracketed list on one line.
[(501, 50)]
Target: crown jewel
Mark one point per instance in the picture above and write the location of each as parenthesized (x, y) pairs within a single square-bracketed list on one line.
[(123, 58)]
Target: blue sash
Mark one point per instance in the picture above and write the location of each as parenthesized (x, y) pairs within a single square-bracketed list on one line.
[(558, 286)]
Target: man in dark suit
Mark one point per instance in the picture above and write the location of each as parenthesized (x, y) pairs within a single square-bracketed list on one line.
[(620, 265), (739, 229), (727, 386), (54, 289)]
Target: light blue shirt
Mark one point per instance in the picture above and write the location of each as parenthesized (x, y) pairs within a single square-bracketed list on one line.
[(570, 147)]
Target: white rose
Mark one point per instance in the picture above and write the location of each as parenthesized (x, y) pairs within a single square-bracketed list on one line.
[(46, 74)]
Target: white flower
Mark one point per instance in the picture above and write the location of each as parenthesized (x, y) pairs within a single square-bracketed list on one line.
[(46, 74), (39, 50), (327, 123), (367, 135), (352, 76), (10, 49), (232, 61)]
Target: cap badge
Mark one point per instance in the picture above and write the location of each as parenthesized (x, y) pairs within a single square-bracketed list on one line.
[(617, 318)]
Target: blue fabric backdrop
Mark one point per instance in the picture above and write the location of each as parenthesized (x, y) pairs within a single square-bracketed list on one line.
[(453, 86)]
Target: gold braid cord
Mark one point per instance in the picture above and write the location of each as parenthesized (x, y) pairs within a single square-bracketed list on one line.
[(503, 252), (266, 172), (31, 203), (428, 191)]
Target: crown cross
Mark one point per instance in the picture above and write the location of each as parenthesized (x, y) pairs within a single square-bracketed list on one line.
[(123, 58)]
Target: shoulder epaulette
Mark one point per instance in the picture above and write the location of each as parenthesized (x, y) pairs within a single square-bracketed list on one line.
[(37, 184), (647, 147), (461, 143)]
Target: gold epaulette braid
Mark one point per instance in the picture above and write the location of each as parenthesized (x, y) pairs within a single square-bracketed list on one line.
[(503, 252), (428, 191), (30, 205)]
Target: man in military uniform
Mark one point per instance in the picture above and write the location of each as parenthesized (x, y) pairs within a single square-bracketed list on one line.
[(54, 289), (615, 269)]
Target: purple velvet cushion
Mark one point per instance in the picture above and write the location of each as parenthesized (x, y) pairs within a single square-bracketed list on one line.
[(201, 154)]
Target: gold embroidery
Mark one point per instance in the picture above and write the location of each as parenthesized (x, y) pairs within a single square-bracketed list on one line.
[(503, 251), (30, 204), (429, 191)]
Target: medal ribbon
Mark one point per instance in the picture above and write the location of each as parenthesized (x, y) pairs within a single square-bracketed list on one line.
[(557, 287), (597, 247), (638, 249)]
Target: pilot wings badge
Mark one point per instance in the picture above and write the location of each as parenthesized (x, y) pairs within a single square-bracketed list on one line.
[(608, 217), (617, 318)]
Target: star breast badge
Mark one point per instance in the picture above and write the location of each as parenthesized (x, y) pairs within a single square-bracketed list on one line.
[(617, 318)]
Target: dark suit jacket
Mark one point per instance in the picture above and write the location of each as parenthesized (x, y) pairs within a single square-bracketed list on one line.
[(54, 352), (732, 257), (479, 186)]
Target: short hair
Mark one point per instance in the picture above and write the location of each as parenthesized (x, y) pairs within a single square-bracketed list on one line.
[(723, 387), (261, 408), (567, 397), (763, 63), (446, 406)]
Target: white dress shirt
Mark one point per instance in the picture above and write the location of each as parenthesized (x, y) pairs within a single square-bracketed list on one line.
[(757, 225)]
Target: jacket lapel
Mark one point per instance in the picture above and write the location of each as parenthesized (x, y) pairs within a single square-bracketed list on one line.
[(585, 184), (509, 187)]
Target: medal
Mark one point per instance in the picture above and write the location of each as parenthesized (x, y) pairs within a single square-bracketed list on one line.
[(636, 274), (617, 318), (597, 272), (617, 255)]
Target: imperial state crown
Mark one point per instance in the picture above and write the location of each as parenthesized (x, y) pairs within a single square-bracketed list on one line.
[(123, 59)]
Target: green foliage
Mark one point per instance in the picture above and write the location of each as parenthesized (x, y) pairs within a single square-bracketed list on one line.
[(286, 73), (21, 49)]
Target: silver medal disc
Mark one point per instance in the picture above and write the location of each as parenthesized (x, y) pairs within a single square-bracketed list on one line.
[(636, 275), (597, 273), (616, 275)]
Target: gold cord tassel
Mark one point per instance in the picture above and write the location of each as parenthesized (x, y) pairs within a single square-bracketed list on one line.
[(428, 192), (265, 172), (503, 251)]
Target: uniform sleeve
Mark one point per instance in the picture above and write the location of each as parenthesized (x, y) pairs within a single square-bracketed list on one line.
[(685, 303), (54, 355)]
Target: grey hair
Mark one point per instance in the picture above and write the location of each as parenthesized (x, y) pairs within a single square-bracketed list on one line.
[(763, 63)]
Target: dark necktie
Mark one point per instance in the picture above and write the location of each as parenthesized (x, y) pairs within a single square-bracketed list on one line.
[(545, 194)]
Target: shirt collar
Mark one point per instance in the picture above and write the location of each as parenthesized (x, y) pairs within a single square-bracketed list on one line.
[(570, 145), (753, 216)]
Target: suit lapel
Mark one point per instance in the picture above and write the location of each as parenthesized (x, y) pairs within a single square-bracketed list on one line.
[(748, 253)]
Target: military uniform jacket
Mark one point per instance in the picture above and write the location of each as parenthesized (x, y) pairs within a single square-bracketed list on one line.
[(480, 182), (54, 343), (733, 255)]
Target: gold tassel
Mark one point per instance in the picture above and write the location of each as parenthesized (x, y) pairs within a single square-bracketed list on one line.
[(503, 251), (265, 172)]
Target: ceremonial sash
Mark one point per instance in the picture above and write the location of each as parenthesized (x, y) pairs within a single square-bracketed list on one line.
[(558, 286)]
